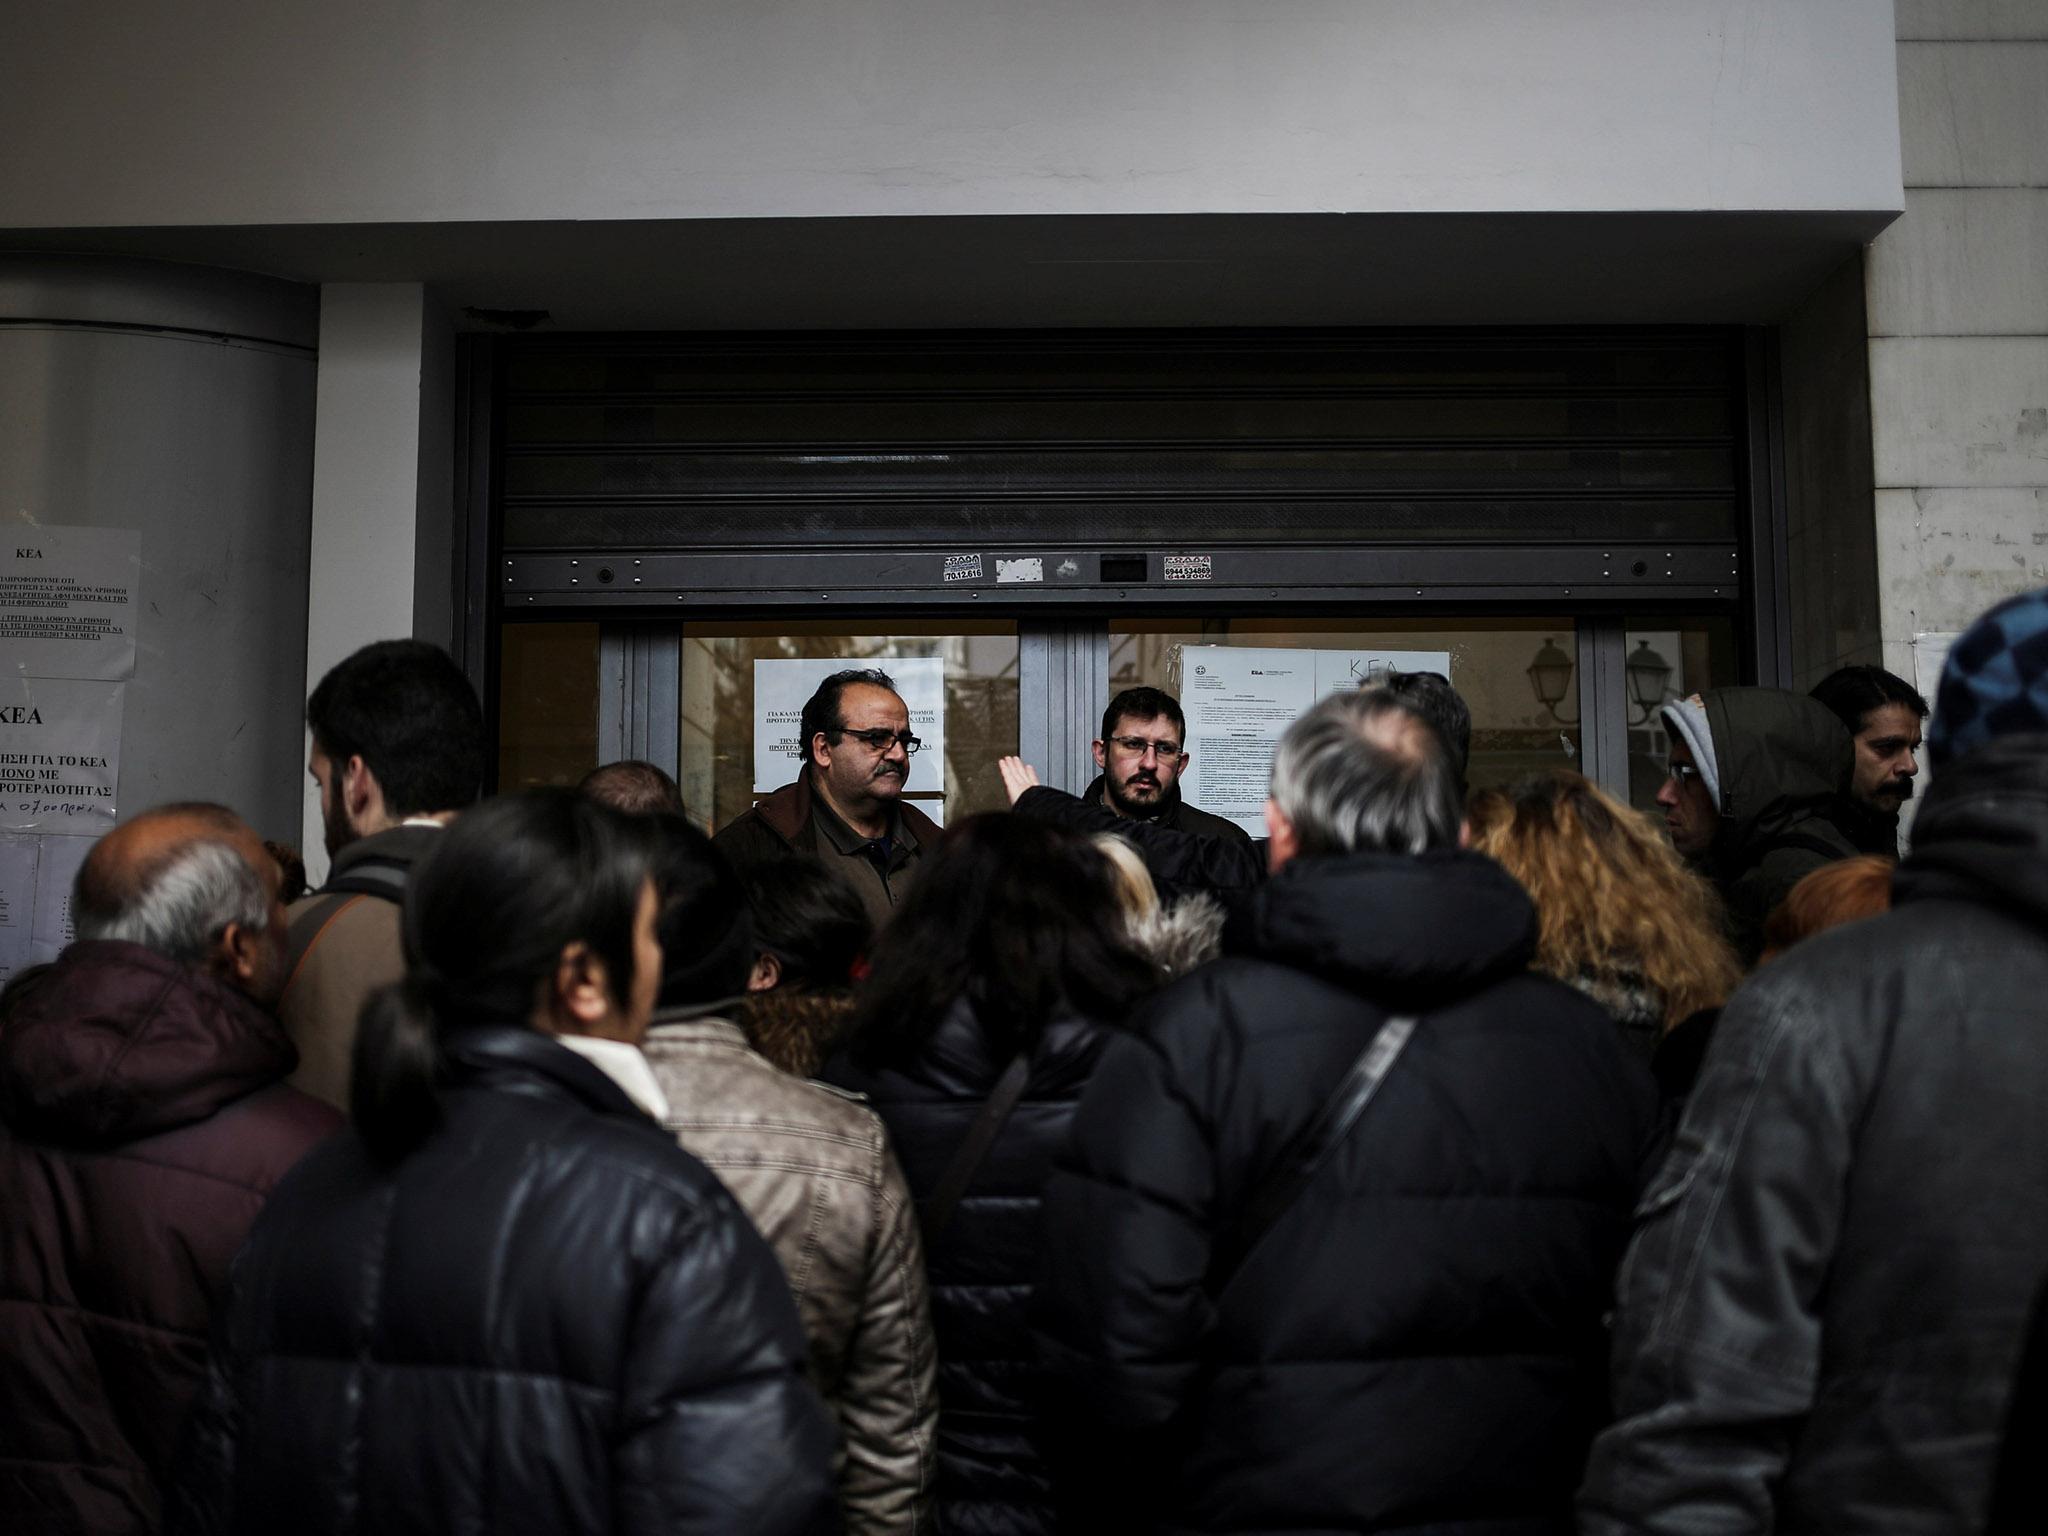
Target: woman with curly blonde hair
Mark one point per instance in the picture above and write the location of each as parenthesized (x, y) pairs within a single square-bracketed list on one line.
[(1620, 916)]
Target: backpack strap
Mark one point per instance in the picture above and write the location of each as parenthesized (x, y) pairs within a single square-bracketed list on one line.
[(1297, 1167), (383, 878), (934, 1213), (307, 924)]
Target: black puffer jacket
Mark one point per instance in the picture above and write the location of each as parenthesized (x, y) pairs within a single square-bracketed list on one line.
[(991, 1478), (1417, 1343), (1824, 1303), (547, 1318)]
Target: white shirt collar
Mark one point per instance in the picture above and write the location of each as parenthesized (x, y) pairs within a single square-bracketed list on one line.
[(624, 1065)]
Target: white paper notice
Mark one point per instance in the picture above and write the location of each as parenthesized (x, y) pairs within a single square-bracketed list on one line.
[(783, 687), (60, 755), (1238, 701), (67, 602), (56, 869), (17, 902)]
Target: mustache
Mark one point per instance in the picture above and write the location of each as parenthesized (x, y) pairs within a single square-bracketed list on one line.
[(889, 771), (1903, 788)]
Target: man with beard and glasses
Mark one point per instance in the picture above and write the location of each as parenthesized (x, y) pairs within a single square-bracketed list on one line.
[(398, 750), (846, 807), (1142, 753), (1882, 713)]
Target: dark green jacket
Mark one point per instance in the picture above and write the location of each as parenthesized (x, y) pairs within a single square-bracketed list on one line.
[(1785, 766)]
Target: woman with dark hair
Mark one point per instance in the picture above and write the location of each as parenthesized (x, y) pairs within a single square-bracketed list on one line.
[(988, 1000), (509, 1301), (811, 932)]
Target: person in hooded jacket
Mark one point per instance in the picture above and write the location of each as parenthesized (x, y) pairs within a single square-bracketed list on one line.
[(507, 1301), (1413, 1339), (144, 1118), (1757, 796), (1823, 1305), (990, 997)]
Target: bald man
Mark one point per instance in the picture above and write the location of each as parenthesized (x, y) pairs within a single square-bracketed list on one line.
[(144, 1118)]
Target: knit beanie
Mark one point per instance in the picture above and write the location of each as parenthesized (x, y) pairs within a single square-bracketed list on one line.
[(1687, 720), (1995, 682)]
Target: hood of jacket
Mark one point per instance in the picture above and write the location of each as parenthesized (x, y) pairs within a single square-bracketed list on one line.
[(114, 1042), (1982, 831), (1436, 925), (1786, 764)]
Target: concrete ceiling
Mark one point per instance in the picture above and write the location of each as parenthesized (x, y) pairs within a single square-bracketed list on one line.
[(1045, 271)]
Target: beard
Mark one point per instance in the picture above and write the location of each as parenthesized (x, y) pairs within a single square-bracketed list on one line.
[(1149, 802), (337, 830)]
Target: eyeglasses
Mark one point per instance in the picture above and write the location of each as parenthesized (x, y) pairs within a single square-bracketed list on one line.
[(1684, 773), (1138, 746), (878, 740)]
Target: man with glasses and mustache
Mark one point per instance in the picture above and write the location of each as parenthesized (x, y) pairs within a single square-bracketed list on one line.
[(846, 807), (1142, 751)]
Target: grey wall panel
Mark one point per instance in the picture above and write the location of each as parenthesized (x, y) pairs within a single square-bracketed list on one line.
[(206, 447)]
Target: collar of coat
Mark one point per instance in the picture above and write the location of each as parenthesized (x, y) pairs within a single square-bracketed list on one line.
[(787, 813), (519, 1059)]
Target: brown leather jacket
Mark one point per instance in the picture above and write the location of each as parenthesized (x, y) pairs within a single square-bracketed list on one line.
[(790, 821), (813, 1170)]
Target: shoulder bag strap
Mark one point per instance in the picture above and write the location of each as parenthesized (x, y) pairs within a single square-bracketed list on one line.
[(1302, 1161), (306, 926), (935, 1212), (370, 877)]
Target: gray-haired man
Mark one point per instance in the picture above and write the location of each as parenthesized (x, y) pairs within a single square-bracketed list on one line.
[(1410, 1334), (143, 1120)]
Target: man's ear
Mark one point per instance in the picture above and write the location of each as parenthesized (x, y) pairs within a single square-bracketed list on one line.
[(581, 996), (1101, 756), (239, 954), (1281, 842), (360, 791), (820, 753), (766, 975), (1465, 832)]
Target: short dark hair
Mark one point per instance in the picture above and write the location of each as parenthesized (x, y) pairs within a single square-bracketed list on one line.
[(638, 788), (1853, 692), (707, 944), (810, 918), (1431, 696), (1145, 704), (406, 710), (821, 711)]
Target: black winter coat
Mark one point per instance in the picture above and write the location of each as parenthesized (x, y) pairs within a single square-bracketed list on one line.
[(1416, 1345), (1822, 1310), (547, 1318), (992, 1481)]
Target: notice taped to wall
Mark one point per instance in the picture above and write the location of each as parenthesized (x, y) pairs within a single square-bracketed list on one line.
[(783, 686), (1238, 700), (60, 755), (67, 602)]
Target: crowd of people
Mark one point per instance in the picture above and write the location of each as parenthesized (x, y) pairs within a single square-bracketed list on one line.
[(1446, 1160)]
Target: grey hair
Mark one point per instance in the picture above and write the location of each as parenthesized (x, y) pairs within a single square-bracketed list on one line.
[(1365, 772), (181, 907)]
